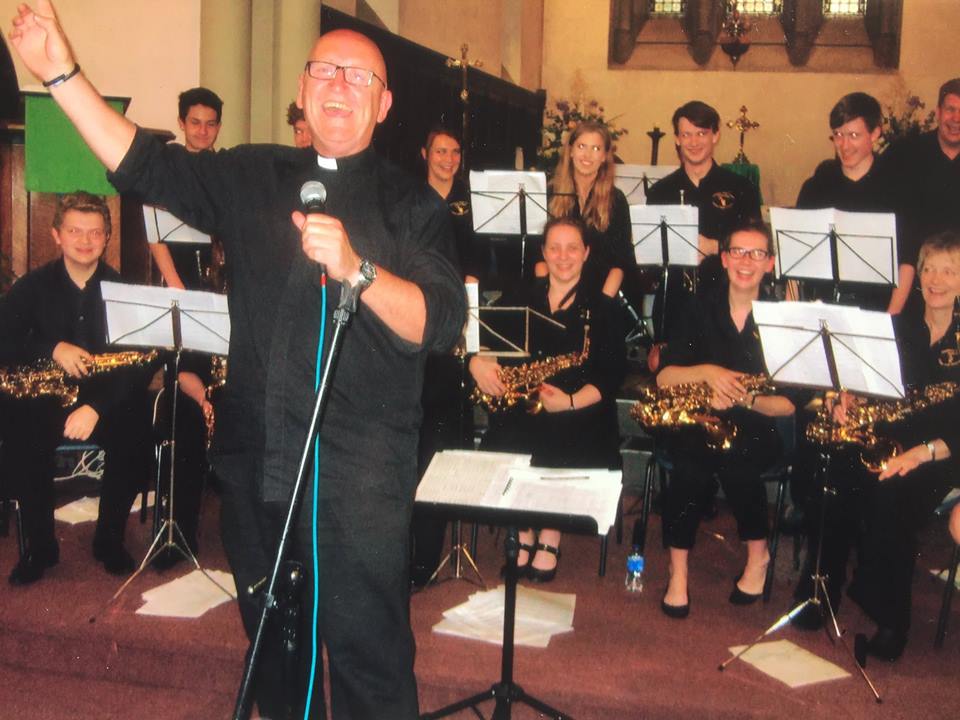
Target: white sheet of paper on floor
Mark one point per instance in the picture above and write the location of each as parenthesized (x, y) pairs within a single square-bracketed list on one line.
[(86, 509), (790, 663), (188, 596), (540, 615)]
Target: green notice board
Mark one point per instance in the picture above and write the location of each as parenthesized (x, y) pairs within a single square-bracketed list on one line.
[(57, 159)]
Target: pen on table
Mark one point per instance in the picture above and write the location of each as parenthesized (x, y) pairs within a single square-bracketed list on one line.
[(507, 486), (564, 477)]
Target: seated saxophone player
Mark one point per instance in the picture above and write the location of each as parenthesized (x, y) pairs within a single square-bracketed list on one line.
[(55, 312), (577, 426), (883, 512), (718, 345)]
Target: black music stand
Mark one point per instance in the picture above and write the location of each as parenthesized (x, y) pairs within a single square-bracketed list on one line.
[(835, 246), (505, 693), (509, 203), (665, 236), (176, 320), (801, 349)]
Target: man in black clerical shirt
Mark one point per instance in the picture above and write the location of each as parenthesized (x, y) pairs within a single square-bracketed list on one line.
[(55, 313), (856, 180), (381, 231), (926, 169)]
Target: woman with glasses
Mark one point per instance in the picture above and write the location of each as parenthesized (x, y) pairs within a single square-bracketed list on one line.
[(717, 345), (891, 507), (583, 188)]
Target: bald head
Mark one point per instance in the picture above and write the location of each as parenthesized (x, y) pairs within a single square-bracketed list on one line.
[(342, 115)]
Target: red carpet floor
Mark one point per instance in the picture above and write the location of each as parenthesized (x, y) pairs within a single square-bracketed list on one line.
[(65, 654)]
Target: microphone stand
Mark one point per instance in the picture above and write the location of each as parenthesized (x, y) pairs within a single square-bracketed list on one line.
[(349, 297)]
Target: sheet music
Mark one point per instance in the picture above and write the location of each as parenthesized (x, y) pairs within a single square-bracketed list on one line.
[(462, 477), (629, 179), (866, 245), (139, 315), (495, 203), (682, 234), (864, 346), (505, 480), (163, 226)]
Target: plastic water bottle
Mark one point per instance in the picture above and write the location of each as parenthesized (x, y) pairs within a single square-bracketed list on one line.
[(634, 579)]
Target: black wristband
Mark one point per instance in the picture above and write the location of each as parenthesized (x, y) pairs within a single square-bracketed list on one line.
[(61, 79)]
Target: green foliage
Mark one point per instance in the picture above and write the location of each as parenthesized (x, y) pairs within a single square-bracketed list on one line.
[(907, 122), (563, 117)]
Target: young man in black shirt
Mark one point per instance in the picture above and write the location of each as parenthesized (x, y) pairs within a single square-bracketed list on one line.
[(724, 199), (857, 181), (56, 313), (926, 169)]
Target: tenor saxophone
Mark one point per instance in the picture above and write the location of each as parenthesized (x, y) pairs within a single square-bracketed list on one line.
[(523, 381), (859, 428), (47, 378), (688, 404)]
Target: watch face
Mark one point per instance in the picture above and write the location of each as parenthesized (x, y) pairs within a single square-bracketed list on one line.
[(368, 270)]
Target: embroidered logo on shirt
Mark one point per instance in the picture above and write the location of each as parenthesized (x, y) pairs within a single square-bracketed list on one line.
[(723, 200)]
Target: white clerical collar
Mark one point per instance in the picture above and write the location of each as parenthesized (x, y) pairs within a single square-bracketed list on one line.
[(327, 163)]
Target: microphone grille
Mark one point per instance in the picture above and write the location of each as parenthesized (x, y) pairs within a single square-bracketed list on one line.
[(313, 191)]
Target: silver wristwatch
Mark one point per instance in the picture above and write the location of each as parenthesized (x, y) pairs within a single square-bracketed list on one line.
[(366, 276)]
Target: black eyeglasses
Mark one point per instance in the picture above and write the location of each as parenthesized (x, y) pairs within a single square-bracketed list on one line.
[(754, 254), (323, 70)]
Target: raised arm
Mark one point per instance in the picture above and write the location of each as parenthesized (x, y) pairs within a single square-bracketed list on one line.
[(42, 45)]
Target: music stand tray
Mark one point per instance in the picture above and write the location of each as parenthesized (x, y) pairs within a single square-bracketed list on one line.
[(501, 498)]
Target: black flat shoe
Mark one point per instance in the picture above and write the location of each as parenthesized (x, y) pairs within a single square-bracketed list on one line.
[(116, 560), (167, 558), (522, 570), (886, 644), (33, 563), (544, 576), (739, 597), (677, 612)]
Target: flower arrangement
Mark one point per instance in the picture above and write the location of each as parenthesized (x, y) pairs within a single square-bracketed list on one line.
[(563, 117), (910, 121)]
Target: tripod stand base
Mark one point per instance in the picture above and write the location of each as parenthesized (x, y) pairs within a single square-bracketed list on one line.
[(505, 695)]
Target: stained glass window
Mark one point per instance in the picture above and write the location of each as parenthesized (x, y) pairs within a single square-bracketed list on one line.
[(668, 7), (760, 7), (844, 7)]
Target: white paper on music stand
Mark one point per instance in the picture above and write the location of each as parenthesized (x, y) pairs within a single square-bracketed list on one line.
[(163, 226), (139, 315), (863, 342), (682, 234), (629, 179), (472, 331), (495, 201), (866, 245), (461, 477), (790, 663), (591, 492)]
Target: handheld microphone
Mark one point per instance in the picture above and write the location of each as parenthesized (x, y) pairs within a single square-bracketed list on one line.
[(313, 195)]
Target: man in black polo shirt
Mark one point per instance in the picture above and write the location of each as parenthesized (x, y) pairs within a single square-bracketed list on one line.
[(927, 172), (725, 200), (856, 180)]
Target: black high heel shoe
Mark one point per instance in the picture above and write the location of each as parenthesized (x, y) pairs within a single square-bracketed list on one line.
[(544, 576)]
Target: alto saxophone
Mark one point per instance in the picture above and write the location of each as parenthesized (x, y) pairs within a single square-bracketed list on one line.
[(523, 381), (859, 428), (218, 378), (47, 378), (688, 404)]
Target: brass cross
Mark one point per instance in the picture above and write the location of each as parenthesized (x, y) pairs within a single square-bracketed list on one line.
[(744, 125), (464, 64)]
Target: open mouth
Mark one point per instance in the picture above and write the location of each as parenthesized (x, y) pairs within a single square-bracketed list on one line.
[(332, 107)]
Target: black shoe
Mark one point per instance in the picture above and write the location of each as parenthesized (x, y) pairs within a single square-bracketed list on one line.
[(116, 560), (522, 570), (739, 597), (33, 563), (677, 612), (886, 644), (810, 618), (544, 576)]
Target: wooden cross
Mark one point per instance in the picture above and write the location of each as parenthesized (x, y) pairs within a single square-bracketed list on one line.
[(744, 125), (655, 135), (463, 64)]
